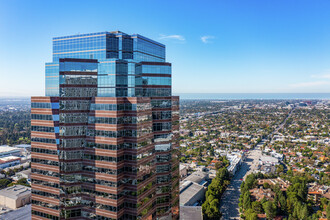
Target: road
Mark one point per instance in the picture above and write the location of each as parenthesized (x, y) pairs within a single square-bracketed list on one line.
[(230, 198), (281, 125)]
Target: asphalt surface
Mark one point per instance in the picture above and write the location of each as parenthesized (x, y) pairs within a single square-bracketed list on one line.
[(230, 198), (23, 213)]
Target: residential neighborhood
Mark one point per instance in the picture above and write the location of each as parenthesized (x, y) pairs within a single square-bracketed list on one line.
[(291, 138)]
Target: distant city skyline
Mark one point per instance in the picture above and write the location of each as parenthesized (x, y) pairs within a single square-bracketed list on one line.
[(215, 47)]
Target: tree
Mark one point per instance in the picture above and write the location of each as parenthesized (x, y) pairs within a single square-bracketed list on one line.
[(303, 212), (282, 201), (298, 190), (10, 173), (251, 215), (218, 165), (270, 209), (250, 180), (15, 127), (212, 151), (257, 207), (218, 185), (4, 183), (23, 182), (266, 185), (324, 203), (247, 201), (242, 186), (328, 211), (211, 209), (279, 169), (183, 159)]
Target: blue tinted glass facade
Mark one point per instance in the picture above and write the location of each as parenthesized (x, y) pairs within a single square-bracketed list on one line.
[(84, 46), (120, 64), (163, 81), (156, 69), (52, 79), (148, 50), (78, 67)]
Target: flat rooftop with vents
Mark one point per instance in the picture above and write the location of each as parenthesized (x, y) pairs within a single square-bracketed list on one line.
[(15, 196)]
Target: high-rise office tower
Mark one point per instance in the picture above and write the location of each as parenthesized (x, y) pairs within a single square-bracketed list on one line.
[(104, 138)]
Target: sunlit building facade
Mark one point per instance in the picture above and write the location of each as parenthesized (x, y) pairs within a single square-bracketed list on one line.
[(104, 138)]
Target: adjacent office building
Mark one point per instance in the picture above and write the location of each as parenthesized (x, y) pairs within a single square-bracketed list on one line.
[(104, 138)]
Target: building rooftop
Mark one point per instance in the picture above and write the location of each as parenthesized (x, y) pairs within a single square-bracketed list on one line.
[(260, 193), (191, 213), (6, 148), (197, 177), (22, 213), (278, 181), (319, 189), (26, 172), (268, 159), (188, 190), (23, 146), (104, 33), (15, 191), (8, 159), (182, 167)]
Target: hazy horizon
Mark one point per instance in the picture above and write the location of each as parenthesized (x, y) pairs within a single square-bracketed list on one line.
[(234, 96)]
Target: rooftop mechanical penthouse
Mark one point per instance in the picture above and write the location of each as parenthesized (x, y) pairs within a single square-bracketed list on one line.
[(104, 138)]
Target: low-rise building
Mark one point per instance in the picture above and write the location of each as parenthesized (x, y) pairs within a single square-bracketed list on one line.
[(24, 146), (9, 161), (191, 193), (15, 196), (235, 162), (268, 160), (277, 155), (183, 171), (192, 189), (260, 193), (283, 184), (25, 165), (6, 151), (266, 169), (198, 177), (212, 174), (23, 174), (191, 213), (316, 192), (198, 133)]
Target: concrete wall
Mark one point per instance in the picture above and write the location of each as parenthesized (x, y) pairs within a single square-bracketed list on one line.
[(15, 203)]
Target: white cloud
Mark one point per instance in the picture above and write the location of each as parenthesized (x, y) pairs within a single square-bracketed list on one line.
[(322, 82), (310, 84), (206, 39), (172, 37), (325, 75)]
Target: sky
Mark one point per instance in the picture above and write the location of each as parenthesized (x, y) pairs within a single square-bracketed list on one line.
[(221, 46)]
